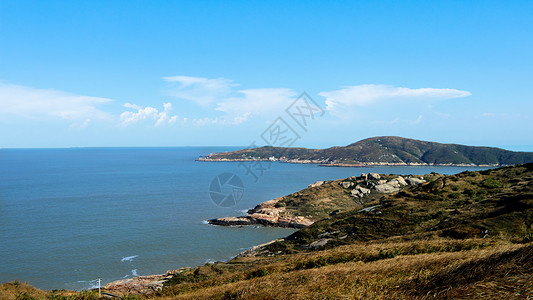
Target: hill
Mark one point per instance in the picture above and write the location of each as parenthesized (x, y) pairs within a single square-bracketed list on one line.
[(386, 150)]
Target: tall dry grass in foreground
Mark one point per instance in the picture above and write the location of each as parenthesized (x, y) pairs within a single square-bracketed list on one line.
[(497, 272)]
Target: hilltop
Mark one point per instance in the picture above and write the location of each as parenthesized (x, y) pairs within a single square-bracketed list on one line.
[(385, 150)]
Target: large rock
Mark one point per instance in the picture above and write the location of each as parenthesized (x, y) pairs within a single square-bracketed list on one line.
[(415, 181), (320, 243), (363, 190), (231, 221), (374, 176), (346, 184), (394, 183), (356, 193), (401, 180), (316, 184), (386, 188)]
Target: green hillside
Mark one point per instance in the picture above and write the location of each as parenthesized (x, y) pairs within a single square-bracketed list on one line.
[(386, 150)]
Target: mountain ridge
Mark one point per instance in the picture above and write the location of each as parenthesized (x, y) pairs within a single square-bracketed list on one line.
[(382, 150)]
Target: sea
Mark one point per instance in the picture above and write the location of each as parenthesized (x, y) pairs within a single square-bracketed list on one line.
[(70, 216)]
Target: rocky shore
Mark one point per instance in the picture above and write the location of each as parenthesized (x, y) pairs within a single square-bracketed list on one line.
[(269, 213), (266, 214), (141, 284)]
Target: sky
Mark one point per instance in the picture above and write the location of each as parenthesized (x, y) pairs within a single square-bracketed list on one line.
[(282, 73)]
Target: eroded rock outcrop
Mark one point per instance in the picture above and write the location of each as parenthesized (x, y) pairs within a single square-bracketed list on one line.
[(140, 284), (266, 214)]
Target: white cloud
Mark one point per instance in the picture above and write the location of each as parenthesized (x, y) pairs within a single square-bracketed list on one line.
[(147, 113), (221, 94), (42, 103), (257, 102), (132, 106), (367, 94), (203, 91)]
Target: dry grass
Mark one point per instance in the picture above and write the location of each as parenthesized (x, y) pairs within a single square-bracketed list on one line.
[(387, 279), (420, 269), (20, 290), (464, 274)]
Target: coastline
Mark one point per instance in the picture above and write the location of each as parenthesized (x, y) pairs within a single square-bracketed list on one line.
[(146, 284), (348, 165)]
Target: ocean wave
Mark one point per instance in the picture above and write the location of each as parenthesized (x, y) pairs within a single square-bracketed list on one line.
[(134, 272), (88, 284), (128, 258), (210, 261), (205, 222)]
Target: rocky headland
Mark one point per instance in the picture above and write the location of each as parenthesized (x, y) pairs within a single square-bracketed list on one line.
[(282, 212)]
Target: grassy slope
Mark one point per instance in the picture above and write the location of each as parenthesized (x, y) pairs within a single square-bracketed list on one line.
[(390, 149), (462, 236), (318, 202)]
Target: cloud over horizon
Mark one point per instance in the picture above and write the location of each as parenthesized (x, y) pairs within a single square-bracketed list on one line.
[(221, 95), (147, 113), (202, 91), (36, 103), (367, 94)]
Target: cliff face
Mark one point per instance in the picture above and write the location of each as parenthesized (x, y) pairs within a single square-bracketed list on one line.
[(387, 150)]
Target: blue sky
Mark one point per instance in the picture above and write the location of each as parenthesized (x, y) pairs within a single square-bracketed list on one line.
[(172, 73)]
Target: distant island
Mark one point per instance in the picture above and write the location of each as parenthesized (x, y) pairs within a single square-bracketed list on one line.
[(382, 151)]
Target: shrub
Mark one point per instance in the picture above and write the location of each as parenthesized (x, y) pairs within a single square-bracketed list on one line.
[(258, 273), (491, 183)]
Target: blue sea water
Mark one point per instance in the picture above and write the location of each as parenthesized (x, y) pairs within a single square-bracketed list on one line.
[(69, 216)]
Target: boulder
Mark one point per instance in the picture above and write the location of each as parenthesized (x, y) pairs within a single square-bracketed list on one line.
[(316, 184), (415, 181), (374, 176), (363, 190), (356, 193), (346, 184), (319, 243), (401, 180), (394, 183), (386, 188)]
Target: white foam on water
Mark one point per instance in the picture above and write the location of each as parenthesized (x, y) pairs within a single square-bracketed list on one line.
[(244, 211), (205, 222), (88, 284), (134, 272), (128, 258), (210, 261)]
